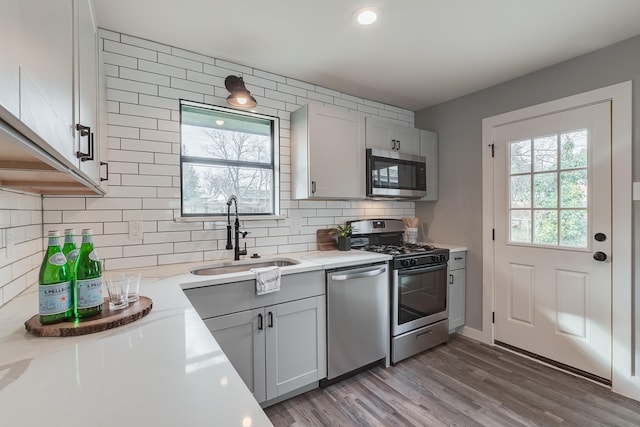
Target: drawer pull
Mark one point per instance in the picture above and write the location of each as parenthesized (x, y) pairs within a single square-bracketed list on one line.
[(424, 333), (458, 258)]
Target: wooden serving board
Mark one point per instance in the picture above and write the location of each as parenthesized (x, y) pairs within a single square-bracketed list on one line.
[(108, 319), (326, 241)]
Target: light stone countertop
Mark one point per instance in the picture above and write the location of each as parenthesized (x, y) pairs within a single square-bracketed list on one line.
[(165, 369)]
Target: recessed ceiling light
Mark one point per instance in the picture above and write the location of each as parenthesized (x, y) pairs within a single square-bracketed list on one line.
[(366, 15)]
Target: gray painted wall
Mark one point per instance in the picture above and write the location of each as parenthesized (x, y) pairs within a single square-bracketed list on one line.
[(457, 216)]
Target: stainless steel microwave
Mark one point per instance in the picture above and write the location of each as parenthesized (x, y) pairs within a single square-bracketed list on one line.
[(396, 175)]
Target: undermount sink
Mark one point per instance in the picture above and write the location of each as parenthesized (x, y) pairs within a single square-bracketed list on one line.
[(239, 266)]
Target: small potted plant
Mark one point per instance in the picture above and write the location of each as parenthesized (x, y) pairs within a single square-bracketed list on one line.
[(344, 236)]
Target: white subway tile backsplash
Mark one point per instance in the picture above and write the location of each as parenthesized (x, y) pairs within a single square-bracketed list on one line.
[(153, 169), (160, 102), (180, 258), (204, 78), (145, 80), (114, 203), (233, 66), (169, 92), (293, 90), (147, 44), (111, 58), (147, 215), (191, 86), (60, 203), (131, 86), (146, 145), (178, 62), (131, 191), (145, 111), (130, 50), (123, 132), (91, 216), (131, 121), (147, 249)]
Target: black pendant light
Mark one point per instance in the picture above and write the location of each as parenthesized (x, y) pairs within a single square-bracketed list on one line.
[(239, 96)]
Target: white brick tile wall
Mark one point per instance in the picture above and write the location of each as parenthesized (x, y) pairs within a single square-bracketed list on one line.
[(21, 217), (145, 80)]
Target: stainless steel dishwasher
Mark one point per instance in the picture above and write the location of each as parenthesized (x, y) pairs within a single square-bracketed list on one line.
[(357, 318)]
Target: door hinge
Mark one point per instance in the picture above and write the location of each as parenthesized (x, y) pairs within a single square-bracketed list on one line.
[(493, 317), (493, 234)]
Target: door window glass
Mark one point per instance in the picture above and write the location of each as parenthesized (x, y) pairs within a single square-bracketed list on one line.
[(549, 189)]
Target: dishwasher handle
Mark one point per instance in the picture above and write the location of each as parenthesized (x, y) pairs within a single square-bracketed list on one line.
[(361, 274)]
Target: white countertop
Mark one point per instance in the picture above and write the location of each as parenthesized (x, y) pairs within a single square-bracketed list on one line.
[(165, 369)]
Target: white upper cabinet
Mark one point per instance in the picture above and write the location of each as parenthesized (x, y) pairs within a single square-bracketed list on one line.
[(328, 153), (429, 150), (49, 85), (385, 135), (46, 73), (10, 60)]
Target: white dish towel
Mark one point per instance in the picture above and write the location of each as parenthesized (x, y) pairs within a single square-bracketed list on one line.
[(267, 279)]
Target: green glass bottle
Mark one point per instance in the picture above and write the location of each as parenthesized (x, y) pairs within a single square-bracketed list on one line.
[(55, 290), (70, 250), (88, 277)]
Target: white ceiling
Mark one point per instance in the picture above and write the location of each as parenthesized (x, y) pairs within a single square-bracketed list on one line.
[(419, 53)]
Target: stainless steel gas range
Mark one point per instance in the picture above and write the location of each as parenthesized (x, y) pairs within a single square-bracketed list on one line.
[(419, 286)]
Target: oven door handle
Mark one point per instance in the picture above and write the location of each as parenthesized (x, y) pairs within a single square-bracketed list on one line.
[(421, 270), (369, 273)]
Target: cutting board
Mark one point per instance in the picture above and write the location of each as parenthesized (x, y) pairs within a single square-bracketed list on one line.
[(326, 241), (108, 319)]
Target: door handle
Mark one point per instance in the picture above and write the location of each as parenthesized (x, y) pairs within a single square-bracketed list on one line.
[(270, 315), (106, 165), (600, 256), (451, 279), (398, 141), (85, 131), (393, 144), (369, 273), (313, 187), (260, 322)]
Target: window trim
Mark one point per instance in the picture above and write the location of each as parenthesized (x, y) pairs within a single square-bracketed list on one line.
[(274, 165)]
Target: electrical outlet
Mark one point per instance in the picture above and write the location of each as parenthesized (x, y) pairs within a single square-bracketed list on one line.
[(135, 230)]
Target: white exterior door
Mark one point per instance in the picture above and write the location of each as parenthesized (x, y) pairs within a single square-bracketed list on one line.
[(552, 220)]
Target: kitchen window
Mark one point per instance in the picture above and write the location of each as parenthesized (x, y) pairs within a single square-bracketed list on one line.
[(224, 152)]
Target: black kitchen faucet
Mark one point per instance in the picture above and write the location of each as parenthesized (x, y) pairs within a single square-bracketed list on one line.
[(237, 252)]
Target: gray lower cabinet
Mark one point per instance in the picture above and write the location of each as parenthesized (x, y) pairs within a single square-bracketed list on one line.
[(276, 342), (457, 285)]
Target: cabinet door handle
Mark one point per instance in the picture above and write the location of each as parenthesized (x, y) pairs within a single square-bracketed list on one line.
[(458, 258), (270, 319), (393, 144), (451, 279), (260, 322), (85, 131), (313, 187), (106, 165), (398, 141)]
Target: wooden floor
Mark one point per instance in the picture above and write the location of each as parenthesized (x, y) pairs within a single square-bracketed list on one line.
[(462, 383)]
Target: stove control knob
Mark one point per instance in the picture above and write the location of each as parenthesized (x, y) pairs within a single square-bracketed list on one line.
[(404, 263), (413, 262), (442, 258)]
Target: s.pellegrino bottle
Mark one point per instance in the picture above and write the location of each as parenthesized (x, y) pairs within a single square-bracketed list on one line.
[(70, 250), (88, 277), (55, 290)]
